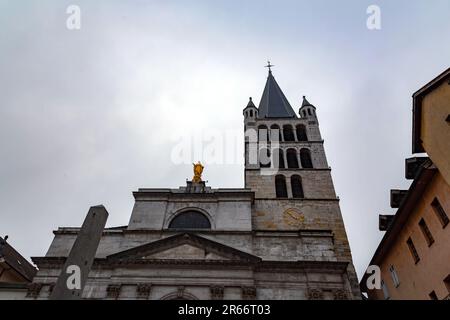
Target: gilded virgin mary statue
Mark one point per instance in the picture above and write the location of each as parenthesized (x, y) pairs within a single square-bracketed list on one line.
[(198, 170)]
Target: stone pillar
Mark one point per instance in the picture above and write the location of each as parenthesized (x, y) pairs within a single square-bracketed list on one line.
[(81, 256)]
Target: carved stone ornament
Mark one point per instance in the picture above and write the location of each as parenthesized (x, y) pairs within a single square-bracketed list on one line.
[(113, 291), (340, 295), (315, 294), (248, 293), (180, 292), (143, 290), (34, 289), (217, 292)]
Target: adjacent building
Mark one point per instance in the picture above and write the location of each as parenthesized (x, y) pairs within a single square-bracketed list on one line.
[(15, 272), (414, 254)]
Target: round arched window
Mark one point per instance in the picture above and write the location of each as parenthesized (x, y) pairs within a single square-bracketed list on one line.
[(190, 220)]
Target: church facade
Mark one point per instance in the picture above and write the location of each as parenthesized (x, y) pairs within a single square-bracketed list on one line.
[(282, 236)]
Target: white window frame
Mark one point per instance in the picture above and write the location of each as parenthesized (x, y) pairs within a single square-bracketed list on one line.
[(394, 276), (385, 290)]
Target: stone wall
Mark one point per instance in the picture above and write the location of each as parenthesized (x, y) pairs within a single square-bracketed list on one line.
[(239, 283), (317, 184)]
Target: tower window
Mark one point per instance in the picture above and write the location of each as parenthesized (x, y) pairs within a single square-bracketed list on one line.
[(297, 188), (412, 249), (190, 220), (288, 133), (443, 218), (292, 160), (251, 113), (309, 112), (264, 158), (273, 130), (263, 134), (426, 232), (305, 158), (279, 153), (280, 186), (301, 133), (304, 113)]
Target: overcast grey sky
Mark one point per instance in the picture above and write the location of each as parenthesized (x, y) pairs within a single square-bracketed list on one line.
[(88, 116)]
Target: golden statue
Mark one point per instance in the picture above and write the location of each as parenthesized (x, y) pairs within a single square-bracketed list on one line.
[(198, 170)]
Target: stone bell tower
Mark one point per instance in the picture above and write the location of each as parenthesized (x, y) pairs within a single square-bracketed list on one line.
[(286, 167), (285, 150)]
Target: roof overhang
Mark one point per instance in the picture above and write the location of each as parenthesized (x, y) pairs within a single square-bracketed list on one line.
[(16, 261), (415, 193), (418, 97)]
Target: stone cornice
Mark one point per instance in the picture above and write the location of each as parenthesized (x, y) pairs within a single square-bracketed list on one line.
[(75, 230), (257, 232), (299, 199), (301, 143), (291, 169), (214, 194), (338, 267)]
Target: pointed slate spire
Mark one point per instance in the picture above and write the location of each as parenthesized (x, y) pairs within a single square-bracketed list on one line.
[(273, 103), (307, 109), (250, 103), (306, 103)]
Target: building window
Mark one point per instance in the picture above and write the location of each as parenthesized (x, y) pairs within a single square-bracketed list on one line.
[(309, 112), (443, 218), (426, 232), (251, 113), (412, 249), (292, 160), (288, 133), (297, 189), (190, 220), (433, 295), (385, 290), (301, 133), (394, 276), (305, 158), (447, 284), (280, 186)]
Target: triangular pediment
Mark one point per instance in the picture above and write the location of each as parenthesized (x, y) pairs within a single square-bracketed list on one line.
[(184, 246), (186, 251)]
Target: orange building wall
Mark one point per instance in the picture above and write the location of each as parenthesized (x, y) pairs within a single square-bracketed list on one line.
[(435, 132), (418, 280), (10, 276)]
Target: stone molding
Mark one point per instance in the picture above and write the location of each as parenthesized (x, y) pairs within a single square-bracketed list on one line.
[(248, 293), (113, 291), (315, 294), (34, 289), (143, 290), (217, 292), (340, 294), (339, 267)]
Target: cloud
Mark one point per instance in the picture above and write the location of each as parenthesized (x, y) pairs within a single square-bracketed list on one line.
[(88, 116)]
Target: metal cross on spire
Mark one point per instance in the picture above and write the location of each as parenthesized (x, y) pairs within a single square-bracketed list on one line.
[(269, 66)]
